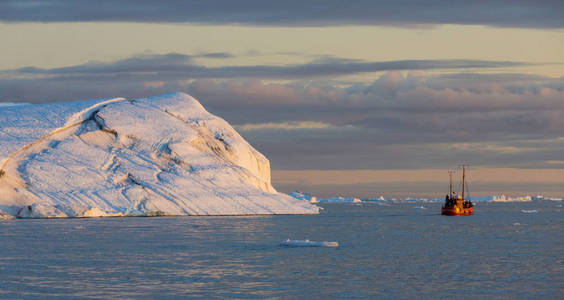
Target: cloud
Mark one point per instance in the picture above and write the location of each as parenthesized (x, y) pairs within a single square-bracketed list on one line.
[(461, 105), (175, 65), (154, 84), (399, 121), (489, 97), (216, 55), (489, 147), (125, 77), (522, 13), (283, 126), (403, 119), (359, 176)]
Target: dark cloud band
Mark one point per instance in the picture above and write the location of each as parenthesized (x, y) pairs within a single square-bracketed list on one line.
[(519, 13), (176, 65)]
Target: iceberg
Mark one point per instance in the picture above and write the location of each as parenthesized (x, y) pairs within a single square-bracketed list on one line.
[(489, 198), (340, 199), (163, 155), (312, 199), (502, 198), (304, 196), (308, 243), (385, 201), (419, 207)]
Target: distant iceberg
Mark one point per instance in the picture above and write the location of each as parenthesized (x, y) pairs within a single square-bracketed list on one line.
[(304, 196), (312, 199), (503, 198), (164, 155), (419, 207), (391, 200), (340, 199), (308, 243)]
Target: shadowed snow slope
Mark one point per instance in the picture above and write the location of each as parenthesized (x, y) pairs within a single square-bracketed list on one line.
[(164, 155)]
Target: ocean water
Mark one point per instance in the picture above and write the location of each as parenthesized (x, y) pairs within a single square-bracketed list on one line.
[(395, 251)]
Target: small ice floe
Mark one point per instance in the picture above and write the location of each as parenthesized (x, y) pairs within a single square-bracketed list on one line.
[(532, 211), (419, 207), (308, 243), (517, 224)]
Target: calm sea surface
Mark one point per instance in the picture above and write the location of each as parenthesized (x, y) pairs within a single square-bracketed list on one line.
[(393, 251)]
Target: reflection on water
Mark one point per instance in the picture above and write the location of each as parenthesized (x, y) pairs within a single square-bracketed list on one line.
[(384, 251)]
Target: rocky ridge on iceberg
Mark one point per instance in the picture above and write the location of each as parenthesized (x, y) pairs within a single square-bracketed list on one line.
[(164, 155)]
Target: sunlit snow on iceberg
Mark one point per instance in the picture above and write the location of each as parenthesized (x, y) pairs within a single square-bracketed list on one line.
[(163, 155)]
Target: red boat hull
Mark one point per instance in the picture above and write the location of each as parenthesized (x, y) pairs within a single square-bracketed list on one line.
[(455, 211)]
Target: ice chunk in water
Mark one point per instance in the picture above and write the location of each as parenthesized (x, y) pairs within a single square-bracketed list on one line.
[(532, 211), (308, 243)]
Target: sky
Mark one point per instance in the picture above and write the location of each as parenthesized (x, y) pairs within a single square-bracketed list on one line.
[(325, 89)]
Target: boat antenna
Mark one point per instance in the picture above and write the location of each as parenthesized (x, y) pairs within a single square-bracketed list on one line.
[(450, 172), (468, 192), (463, 179)]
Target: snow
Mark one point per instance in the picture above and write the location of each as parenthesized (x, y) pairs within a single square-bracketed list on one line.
[(164, 155), (308, 243), (304, 196), (340, 199)]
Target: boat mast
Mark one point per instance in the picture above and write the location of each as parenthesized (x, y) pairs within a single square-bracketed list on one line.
[(463, 179), (450, 172)]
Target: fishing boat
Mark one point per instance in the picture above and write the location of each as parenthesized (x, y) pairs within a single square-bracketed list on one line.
[(457, 205)]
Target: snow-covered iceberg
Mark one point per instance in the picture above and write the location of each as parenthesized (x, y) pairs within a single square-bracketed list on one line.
[(164, 155)]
